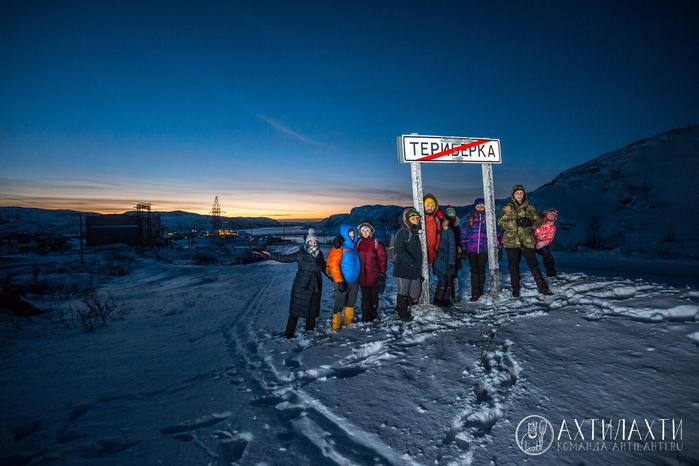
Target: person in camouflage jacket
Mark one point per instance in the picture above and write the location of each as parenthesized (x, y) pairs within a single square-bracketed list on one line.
[(518, 219)]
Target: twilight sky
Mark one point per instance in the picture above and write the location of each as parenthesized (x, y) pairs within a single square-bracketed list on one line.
[(291, 109)]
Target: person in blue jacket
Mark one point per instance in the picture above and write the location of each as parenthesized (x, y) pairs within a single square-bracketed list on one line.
[(344, 268), (444, 265)]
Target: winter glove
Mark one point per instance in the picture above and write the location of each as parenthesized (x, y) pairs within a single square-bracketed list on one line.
[(524, 222), (342, 287), (337, 242), (265, 255), (382, 282), (499, 255)]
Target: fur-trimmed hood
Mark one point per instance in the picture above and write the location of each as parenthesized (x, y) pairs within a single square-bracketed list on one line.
[(366, 224)]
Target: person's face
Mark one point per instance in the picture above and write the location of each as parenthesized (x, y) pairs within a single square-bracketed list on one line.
[(519, 195), (429, 208), (481, 207), (415, 220), (351, 234), (551, 216), (365, 232), (313, 242)]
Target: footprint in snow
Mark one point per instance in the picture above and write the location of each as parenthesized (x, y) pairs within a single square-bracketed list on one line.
[(204, 421)]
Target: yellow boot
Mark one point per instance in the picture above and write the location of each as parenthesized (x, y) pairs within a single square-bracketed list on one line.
[(337, 321), (349, 315)]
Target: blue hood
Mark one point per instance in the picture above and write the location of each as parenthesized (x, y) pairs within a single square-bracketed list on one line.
[(344, 231)]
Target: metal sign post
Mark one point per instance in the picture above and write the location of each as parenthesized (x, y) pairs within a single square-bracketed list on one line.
[(416, 149), (491, 227), (416, 175)]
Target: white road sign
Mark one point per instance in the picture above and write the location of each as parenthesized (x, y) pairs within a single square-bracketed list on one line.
[(448, 149)]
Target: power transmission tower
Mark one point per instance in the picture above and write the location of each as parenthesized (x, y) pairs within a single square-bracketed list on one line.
[(216, 216)]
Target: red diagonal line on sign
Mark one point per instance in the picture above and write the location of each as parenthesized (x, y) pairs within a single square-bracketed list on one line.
[(451, 151)]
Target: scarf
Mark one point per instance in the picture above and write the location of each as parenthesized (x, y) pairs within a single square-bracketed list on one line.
[(313, 250)]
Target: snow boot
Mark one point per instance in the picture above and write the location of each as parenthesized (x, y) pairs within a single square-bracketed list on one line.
[(310, 323), (349, 315), (291, 326), (337, 321), (402, 308)]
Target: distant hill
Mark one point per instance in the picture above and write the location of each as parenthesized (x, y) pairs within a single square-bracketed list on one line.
[(66, 222)]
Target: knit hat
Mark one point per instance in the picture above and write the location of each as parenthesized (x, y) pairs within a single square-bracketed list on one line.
[(311, 236), (450, 211), (430, 201), (551, 210), (480, 200), (413, 213)]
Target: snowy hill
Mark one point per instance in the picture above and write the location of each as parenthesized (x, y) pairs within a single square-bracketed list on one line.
[(30, 220), (185, 221), (384, 218), (66, 222), (637, 195)]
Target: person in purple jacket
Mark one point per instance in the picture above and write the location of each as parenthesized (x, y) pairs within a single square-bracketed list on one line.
[(474, 243)]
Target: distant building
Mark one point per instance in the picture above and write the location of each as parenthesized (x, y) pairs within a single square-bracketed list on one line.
[(133, 230)]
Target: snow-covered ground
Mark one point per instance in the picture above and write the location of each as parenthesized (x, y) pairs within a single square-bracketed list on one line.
[(192, 368)]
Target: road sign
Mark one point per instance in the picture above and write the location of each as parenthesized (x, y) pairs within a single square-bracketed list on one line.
[(448, 149), (416, 149)]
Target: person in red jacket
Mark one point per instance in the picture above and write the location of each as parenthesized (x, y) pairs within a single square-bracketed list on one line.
[(433, 226), (544, 237), (372, 277)]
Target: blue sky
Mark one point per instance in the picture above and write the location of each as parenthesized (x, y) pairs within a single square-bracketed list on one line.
[(291, 109)]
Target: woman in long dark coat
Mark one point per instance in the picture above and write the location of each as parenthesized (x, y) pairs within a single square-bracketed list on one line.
[(308, 283)]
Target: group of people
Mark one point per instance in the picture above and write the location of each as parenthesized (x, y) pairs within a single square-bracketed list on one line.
[(358, 260)]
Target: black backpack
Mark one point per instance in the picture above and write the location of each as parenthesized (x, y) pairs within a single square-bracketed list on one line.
[(392, 245)]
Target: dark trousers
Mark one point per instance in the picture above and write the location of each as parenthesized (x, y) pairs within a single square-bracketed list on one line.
[(476, 264), (370, 302), (514, 256), (347, 298), (549, 263), (293, 321), (443, 291)]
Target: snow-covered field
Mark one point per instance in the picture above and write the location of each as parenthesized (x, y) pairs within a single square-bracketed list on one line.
[(192, 368)]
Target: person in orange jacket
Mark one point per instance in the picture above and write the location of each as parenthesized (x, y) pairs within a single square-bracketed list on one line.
[(433, 226), (344, 267)]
